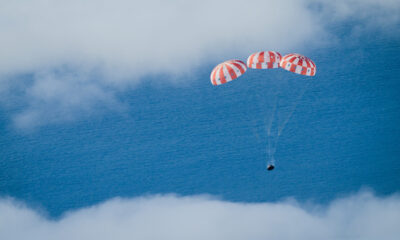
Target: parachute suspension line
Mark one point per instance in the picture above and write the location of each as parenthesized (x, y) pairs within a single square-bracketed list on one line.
[(254, 122), (272, 137), (274, 146), (255, 127), (268, 128), (272, 117), (271, 159), (280, 128), (269, 149)]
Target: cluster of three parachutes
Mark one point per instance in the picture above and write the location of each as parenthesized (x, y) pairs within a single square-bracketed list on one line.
[(232, 69)]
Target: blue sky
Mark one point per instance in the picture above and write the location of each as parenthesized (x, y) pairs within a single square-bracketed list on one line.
[(108, 120)]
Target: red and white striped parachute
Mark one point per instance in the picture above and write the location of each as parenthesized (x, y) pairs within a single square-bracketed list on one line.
[(264, 60), (227, 71), (298, 64)]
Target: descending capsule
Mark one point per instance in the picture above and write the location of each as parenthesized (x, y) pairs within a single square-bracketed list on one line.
[(264, 60), (227, 71), (298, 64)]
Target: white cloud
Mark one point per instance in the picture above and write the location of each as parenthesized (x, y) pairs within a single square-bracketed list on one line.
[(362, 216), (57, 97), (111, 45), (379, 12), (133, 38), (362, 15)]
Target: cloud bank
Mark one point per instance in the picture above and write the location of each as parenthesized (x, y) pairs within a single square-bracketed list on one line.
[(361, 216), (110, 46)]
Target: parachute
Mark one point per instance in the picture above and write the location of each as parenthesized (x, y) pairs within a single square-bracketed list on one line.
[(227, 71), (264, 60), (268, 60), (298, 64)]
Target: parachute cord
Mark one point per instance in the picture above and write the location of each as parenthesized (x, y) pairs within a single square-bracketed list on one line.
[(269, 148), (274, 118), (254, 122), (255, 128), (271, 119), (275, 144), (268, 128), (280, 128)]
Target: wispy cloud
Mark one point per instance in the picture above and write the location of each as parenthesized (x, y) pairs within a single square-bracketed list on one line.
[(118, 42), (360, 16), (377, 13), (61, 96), (361, 216)]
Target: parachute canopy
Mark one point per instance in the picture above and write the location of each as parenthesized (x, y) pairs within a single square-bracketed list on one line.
[(264, 60), (227, 71), (298, 64)]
